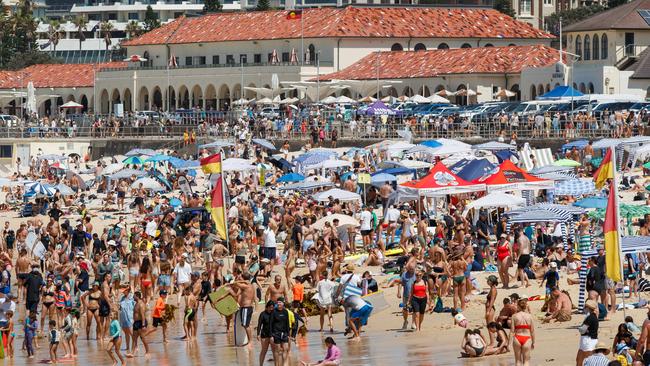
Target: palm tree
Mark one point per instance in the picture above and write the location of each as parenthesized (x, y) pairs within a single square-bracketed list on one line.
[(106, 27), (54, 33), (133, 29), (80, 22)]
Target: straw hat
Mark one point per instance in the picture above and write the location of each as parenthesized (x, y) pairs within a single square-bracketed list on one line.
[(602, 347), (591, 304), (350, 267)]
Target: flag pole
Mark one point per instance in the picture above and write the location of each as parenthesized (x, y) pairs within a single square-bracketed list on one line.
[(618, 222), (302, 34), (223, 195)]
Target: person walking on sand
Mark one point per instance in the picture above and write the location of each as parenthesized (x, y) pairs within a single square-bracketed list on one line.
[(116, 339), (524, 258), (523, 340), (588, 332)]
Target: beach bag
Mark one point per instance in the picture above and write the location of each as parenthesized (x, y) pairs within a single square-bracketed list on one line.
[(438, 307)]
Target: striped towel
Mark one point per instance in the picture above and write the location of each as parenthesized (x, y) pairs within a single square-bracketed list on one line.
[(351, 290)]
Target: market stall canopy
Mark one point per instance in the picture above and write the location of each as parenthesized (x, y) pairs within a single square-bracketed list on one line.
[(378, 108), (495, 199), (473, 169), (561, 91), (337, 194), (509, 177), (441, 181), (71, 105)]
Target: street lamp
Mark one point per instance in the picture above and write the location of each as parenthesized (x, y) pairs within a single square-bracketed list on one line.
[(573, 60), (318, 77)]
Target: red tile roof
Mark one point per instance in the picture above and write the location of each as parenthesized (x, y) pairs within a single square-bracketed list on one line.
[(54, 75), (341, 22), (426, 64)]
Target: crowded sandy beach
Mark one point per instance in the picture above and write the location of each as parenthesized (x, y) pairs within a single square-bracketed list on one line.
[(436, 252)]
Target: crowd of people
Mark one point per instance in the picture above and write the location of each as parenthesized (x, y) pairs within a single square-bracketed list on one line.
[(119, 263)]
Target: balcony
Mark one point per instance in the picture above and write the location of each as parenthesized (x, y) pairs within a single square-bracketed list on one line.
[(208, 66)]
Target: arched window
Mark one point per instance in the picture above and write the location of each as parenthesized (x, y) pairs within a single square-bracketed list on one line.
[(488, 45), (596, 48), (590, 88), (533, 92), (511, 44), (396, 47), (466, 45), (579, 46), (443, 46), (587, 50), (603, 47), (311, 56), (420, 47)]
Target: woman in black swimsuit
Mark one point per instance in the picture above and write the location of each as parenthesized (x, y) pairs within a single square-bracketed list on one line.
[(91, 300), (498, 335), (49, 293)]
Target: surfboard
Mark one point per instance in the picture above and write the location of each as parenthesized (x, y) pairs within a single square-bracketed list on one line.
[(388, 253), (223, 302), (241, 338)]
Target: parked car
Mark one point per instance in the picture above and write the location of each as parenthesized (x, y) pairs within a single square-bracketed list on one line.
[(8, 120), (270, 112)]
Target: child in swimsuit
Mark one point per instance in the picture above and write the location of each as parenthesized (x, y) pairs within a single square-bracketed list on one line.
[(459, 318)]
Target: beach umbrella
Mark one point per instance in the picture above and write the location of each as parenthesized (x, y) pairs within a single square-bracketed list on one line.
[(367, 99), (149, 184), (147, 152), (64, 189), (344, 220), (647, 165), (264, 143), (127, 173), (592, 202), (175, 202), (417, 98), (113, 168), (291, 177), (53, 157), (566, 162), (281, 163), (336, 193), (431, 143), (345, 100), (158, 158), (39, 189), (71, 105), (133, 160)]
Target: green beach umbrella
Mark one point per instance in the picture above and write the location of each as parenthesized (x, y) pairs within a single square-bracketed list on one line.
[(647, 165), (133, 160), (567, 162)]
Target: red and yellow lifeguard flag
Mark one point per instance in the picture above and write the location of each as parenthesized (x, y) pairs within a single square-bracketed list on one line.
[(218, 211), (294, 14), (605, 171), (211, 164), (612, 243)]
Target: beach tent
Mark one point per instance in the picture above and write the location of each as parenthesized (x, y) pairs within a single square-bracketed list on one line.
[(543, 157), (509, 177), (561, 91), (378, 108), (442, 181), (495, 199), (578, 144), (336, 193), (575, 187), (474, 169)]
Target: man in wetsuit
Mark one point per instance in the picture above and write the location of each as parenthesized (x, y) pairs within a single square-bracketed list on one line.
[(264, 329), (280, 332)]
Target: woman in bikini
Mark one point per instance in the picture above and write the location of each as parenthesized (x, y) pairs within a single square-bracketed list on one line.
[(457, 269), (337, 258), (523, 340), (493, 282), (91, 300), (439, 275), (324, 253), (146, 279), (134, 266), (49, 293), (499, 340), (105, 307), (504, 259)]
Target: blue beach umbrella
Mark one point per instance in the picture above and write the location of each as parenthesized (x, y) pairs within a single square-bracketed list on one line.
[(291, 177), (431, 143), (592, 202), (134, 160)]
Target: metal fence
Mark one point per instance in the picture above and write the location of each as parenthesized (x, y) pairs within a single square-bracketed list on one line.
[(320, 129)]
